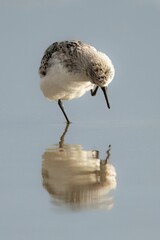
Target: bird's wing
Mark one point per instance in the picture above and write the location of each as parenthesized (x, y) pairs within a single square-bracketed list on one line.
[(67, 48), (47, 56)]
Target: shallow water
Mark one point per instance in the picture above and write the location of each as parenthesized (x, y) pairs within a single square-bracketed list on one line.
[(100, 177), (55, 187)]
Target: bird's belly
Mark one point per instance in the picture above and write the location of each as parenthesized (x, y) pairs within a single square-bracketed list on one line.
[(64, 85)]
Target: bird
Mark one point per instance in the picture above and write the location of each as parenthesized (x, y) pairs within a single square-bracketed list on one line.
[(71, 68)]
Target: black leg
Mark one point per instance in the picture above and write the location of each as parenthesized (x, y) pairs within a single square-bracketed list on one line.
[(61, 142), (61, 107), (93, 92)]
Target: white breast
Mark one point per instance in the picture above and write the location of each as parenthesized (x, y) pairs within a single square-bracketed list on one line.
[(60, 84)]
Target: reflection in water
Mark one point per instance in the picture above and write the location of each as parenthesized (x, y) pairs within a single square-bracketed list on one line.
[(78, 178)]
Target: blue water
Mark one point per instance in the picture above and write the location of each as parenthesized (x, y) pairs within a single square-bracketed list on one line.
[(29, 210), (81, 196)]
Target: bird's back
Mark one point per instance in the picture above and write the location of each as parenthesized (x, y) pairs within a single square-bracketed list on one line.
[(66, 52)]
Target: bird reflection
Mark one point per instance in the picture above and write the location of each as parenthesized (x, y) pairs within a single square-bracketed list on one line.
[(78, 178)]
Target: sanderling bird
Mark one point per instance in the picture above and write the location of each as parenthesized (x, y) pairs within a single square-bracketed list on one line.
[(69, 69)]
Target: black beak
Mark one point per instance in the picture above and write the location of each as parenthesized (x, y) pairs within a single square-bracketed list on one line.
[(105, 94)]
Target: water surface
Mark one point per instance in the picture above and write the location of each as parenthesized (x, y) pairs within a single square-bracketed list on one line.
[(101, 179)]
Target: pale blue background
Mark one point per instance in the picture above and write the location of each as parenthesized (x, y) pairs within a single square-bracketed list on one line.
[(129, 32)]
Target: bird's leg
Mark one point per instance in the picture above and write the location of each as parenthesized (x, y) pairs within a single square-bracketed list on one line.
[(93, 92), (61, 107), (61, 142)]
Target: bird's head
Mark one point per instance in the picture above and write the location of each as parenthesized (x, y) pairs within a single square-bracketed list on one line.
[(102, 72)]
